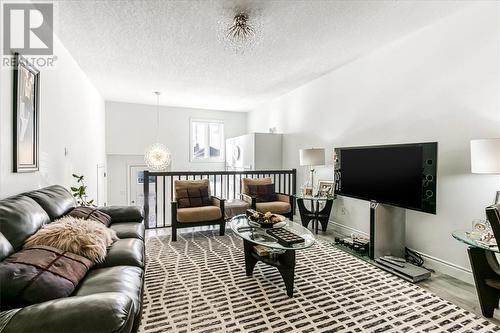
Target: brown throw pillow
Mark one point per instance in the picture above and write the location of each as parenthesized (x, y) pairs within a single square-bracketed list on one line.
[(39, 274), (91, 213), (86, 238), (263, 193), (192, 197)]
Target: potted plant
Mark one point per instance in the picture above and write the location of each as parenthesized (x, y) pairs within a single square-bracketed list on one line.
[(79, 192)]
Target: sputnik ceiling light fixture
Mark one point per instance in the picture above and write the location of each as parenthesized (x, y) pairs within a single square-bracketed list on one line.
[(157, 156)]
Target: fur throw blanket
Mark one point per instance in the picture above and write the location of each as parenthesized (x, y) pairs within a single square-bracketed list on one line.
[(87, 238)]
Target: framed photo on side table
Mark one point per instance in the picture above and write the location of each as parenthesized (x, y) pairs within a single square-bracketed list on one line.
[(326, 188), (26, 116)]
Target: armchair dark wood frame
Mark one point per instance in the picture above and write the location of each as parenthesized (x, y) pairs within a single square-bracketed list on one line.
[(253, 203), (178, 225)]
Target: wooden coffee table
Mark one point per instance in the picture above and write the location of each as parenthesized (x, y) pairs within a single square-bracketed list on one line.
[(284, 258)]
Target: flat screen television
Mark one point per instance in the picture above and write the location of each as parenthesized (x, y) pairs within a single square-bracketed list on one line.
[(402, 175)]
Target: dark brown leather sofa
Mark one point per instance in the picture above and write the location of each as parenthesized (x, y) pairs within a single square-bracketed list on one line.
[(108, 299)]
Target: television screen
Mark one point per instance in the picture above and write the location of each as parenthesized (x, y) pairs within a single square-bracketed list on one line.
[(400, 175)]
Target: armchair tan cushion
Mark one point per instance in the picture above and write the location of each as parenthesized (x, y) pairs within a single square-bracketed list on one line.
[(283, 197), (277, 207), (198, 214), (253, 181)]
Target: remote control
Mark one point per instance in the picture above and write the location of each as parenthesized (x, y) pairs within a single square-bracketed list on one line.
[(395, 263), (401, 260)]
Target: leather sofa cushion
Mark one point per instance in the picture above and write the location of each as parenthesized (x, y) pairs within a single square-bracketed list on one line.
[(123, 213), (39, 274), (254, 181), (277, 207), (6, 248), (126, 280), (20, 217), (198, 214), (56, 200), (91, 213), (98, 313), (128, 252), (129, 230)]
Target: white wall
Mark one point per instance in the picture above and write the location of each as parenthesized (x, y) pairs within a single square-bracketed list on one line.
[(438, 84), (71, 116), (119, 177), (131, 128)]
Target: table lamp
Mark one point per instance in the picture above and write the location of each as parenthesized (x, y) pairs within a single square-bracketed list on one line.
[(485, 158), (311, 157)]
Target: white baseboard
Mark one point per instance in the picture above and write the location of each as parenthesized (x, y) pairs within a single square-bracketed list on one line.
[(439, 265)]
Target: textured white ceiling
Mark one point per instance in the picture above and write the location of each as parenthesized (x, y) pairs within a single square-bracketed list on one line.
[(131, 48)]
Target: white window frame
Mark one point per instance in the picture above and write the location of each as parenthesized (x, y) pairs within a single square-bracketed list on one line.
[(222, 157)]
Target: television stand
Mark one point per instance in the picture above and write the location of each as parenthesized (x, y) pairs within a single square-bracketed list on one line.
[(388, 239), (387, 231)]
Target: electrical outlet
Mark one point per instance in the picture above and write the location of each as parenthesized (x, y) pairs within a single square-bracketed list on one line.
[(343, 211)]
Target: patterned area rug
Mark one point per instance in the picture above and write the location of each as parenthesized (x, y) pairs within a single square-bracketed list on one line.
[(198, 284)]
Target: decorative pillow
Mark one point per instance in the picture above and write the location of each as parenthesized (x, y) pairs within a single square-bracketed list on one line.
[(86, 238), (39, 274), (263, 193), (192, 197), (91, 213)]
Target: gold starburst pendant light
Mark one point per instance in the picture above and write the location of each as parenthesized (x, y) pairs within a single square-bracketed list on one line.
[(157, 156)]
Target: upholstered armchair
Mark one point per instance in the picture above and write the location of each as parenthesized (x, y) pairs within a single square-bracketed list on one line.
[(282, 203), (194, 206)]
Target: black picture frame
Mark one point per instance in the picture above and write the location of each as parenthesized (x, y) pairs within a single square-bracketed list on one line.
[(26, 92)]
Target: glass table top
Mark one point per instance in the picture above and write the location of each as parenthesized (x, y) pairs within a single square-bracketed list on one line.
[(463, 236), (310, 197), (259, 236)]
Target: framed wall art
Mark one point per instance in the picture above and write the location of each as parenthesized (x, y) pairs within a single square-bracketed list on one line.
[(26, 116)]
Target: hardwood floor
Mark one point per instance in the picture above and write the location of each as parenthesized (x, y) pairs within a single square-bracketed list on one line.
[(447, 287)]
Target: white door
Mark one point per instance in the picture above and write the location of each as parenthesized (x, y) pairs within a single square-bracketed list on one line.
[(136, 193)]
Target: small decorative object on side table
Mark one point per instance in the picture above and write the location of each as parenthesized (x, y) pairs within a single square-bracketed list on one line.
[(485, 268), (279, 255), (317, 215)]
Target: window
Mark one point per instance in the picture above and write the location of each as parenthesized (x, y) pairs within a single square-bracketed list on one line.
[(207, 140)]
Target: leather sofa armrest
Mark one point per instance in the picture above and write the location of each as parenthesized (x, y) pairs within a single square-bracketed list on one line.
[(123, 213), (6, 316), (103, 312)]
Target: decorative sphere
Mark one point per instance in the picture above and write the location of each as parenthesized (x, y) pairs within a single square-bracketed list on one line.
[(157, 157)]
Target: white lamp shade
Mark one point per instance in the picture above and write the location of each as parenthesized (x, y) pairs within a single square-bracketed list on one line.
[(313, 156), (485, 156)]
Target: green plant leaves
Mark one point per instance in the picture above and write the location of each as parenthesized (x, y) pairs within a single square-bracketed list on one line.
[(80, 192)]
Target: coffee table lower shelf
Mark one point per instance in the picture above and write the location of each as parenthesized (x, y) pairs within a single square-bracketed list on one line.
[(285, 263)]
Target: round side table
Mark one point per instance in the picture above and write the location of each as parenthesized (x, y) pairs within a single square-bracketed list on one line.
[(318, 215)]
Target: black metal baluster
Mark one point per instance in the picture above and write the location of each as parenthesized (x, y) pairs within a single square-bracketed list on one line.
[(156, 201), (164, 201), (171, 188)]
